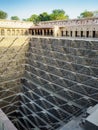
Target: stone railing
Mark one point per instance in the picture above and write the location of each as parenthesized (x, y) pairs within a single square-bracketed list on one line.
[(74, 22), (15, 24)]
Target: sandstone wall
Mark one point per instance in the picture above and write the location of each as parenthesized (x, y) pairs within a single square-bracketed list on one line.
[(12, 60)]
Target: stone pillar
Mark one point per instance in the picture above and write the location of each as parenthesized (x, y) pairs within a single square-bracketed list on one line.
[(73, 35), (97, 34), (90, 33), (22, 32), (15, 32), (84, 33), (42, 32), (56, 31), (26, 32), (34, 31), (79, 33), (30, 32), (11, 32), (5, 32), (46, 32)]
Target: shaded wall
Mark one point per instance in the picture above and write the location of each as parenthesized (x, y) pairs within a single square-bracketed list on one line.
[(60, 80), (12, 60)]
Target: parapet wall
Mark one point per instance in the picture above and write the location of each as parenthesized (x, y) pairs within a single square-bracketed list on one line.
[(15, 24), (72, 22), (14, 27), (85, 27)]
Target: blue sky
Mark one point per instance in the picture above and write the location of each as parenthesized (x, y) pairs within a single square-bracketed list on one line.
[(25, 8)]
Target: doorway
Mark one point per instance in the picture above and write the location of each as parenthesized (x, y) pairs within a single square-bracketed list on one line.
[(81, 33), (75, 33), (94, 34), (87, 34)]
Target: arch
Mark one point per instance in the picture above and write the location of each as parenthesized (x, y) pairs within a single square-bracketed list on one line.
[(62, 33), (81, 33), (44, 32), (36, 31), (8, 32), (76, 33), (41, 32), (13, 32), (26, 32), (17, 32), (66, 33), (87, 33), (71, 33), (51, 32), (21, 32), (94, 33), (32, 32), (48, 32)]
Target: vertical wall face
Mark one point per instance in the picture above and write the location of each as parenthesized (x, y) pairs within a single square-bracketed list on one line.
[(60, 81), (12, 60), (12, 56)]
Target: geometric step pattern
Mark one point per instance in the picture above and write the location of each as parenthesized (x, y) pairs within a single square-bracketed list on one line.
[(59, 81), (12, 56)]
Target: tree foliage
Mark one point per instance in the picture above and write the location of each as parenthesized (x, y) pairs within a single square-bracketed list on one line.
[(15, 18), (86, 14), (3, 15), (34, 18), (44, 17), (58, 14)]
